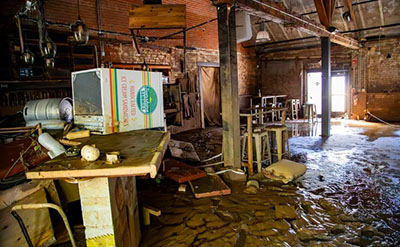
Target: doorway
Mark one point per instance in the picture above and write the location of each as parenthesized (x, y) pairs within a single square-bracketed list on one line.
[(338, 91), (210, 94)]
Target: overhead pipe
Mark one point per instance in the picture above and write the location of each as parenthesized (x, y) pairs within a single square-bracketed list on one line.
[(318, 31), (100, 31)]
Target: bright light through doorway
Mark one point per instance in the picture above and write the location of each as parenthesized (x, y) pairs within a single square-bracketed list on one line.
[(314, 89), (338, 94), (338, 91)]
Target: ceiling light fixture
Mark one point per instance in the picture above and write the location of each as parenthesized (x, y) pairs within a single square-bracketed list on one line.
[(347, 16), (81, 34), (262, 35)]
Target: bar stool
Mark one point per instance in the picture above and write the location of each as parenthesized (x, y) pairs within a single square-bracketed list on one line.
[(280, 133), (294, 106), (261, 140), (310, 111)]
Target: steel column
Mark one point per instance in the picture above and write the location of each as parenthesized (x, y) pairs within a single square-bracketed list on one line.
[(326, 85), (229, 85)]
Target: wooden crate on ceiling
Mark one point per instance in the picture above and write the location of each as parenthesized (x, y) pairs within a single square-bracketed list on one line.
[(157, 16)]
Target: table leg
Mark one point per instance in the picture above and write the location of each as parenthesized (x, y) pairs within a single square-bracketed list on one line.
[(110, 211), (279, 144), (258, 151), (250, 144)]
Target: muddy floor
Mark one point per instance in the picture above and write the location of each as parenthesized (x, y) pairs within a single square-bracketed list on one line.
[(349, 196)]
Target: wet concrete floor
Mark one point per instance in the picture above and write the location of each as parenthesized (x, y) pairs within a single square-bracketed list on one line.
[(349, 196)]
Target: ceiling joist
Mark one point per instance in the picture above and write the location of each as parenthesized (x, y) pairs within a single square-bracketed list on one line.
[(277, 13), (325, 10)]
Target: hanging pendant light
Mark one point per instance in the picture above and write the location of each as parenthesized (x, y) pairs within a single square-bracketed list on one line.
[(49, 62), (26, 55), (262, 35), (81, 34), (48, 47)]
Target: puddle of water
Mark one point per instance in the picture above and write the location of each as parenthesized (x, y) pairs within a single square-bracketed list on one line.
[(352, 183)]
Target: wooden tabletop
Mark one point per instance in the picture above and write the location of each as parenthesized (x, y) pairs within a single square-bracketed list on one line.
[(141, 153)]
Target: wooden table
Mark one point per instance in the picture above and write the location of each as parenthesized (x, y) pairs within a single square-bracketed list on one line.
[(108, 192)]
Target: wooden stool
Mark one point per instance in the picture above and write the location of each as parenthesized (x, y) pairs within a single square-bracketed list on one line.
[(258, 136), (310, 111), (281, 138)]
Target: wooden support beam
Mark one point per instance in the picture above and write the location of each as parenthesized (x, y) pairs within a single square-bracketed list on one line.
[(325, 10), (278, 14), (229, 85), (326, 85), (352, 14), (322, 12), (332, 8)]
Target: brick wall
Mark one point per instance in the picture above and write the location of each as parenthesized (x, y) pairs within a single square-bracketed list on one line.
[(115, 17), (375, 80), (283, 72)]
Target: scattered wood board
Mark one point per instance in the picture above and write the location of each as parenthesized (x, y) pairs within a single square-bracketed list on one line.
[(183, 150), (181, 172), (210, 185)]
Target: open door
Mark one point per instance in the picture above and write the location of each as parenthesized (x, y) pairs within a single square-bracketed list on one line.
[(338, 92), (211, 96)]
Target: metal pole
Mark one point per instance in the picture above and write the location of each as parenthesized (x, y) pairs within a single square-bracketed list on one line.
[(326, 85)]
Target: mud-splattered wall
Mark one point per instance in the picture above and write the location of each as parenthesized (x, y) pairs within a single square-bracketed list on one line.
[(376, 80)]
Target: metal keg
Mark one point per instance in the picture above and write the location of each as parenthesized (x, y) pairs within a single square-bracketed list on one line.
[(48, 109)]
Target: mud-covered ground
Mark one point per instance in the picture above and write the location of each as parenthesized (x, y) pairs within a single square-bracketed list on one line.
[(349, 196)]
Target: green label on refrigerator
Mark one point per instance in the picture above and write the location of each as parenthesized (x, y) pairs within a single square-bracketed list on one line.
[(146, 100)]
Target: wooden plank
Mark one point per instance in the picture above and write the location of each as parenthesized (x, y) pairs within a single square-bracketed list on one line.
[(331, 10), (12, 151), (37, 222), (138, 157), (322, 12), (229, 86), (211, 185), (156, 16), (349, 5), (277, 14), (181, 172)]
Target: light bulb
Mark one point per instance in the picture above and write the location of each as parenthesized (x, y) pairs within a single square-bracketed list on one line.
[(49, 48), (81, 34), (28, 57)]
